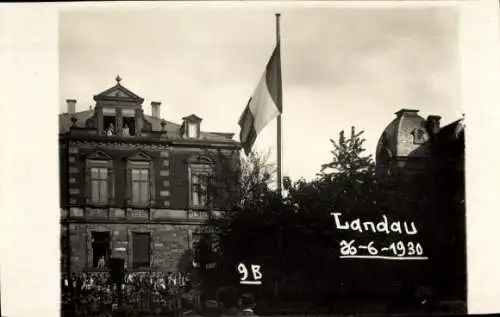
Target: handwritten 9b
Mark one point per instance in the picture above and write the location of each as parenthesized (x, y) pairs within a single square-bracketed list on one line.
[(256, 274)]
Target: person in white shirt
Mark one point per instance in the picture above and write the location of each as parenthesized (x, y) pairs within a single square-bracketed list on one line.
[(111, 130), (101, 263), (126, 130)]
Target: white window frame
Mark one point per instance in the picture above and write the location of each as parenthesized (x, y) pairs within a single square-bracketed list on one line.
[(200, 168), (192, 127), (140, 161), (99, 160)]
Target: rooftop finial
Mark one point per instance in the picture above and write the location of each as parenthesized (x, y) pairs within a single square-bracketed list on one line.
[(118, 79)]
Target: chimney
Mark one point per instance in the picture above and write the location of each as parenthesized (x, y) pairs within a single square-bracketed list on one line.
[(71, 105), (433, 124), (155, 109), (406, 112)]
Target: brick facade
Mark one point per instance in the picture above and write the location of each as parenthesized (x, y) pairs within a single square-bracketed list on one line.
[(168, 216)]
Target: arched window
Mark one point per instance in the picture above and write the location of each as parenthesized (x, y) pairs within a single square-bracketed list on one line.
[(99, 179), (140, 179), (200, 173), (419, 136)]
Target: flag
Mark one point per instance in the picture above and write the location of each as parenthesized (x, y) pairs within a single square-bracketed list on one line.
[(264, 105)]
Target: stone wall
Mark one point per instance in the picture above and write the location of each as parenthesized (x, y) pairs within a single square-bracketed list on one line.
[(169, 244)]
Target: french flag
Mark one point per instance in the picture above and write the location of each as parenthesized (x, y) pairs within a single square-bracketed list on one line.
[(265, 103)]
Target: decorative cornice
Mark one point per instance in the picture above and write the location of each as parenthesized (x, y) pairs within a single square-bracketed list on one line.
[(136, 221), (205, 143), (94, 144), (161, 142)]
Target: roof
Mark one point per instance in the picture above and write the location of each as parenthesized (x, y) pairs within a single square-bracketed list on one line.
[(119, 95), (451, 139), (192, 118), (454, 130), (173, 129), (397, 137)]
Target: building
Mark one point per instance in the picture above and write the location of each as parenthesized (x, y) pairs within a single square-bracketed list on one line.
[(413, 144), (135, 186), (433, 157)]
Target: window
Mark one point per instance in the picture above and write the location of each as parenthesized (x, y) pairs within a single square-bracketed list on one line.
[(141, 249), (101, 249), (140, 180), (192, 130), (99, 178), (128, 126), (419, 136), (109, 125), (191, 126), (200, 182), (99, 185), (140, 186)]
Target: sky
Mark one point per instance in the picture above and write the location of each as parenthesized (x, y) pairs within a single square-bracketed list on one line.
[(341, 67)]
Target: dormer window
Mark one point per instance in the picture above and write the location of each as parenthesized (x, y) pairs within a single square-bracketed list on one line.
[(192, 131), (109, 125), (112, 119), (128, 126), (191, 127), (119, 111)]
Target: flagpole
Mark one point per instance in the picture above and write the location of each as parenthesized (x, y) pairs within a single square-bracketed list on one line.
[(280, 106)]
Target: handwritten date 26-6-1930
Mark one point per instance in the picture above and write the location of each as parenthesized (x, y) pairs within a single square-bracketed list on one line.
[(399, 249)]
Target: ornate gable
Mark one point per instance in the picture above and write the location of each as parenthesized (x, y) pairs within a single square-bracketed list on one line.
[(118, 93), (200, 159), (139, 156), (98, 155)]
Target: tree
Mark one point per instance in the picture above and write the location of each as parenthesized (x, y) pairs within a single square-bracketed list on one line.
[(257, 173), (347, 157), (346, 184), (293, 237), (242, 230)]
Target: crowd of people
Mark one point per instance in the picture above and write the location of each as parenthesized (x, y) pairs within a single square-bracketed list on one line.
[(144, 292), (95, 294), (228, 303)]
